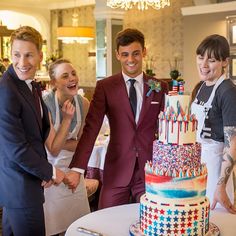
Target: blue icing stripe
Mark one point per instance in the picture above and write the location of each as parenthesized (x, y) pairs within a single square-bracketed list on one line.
[(183, 178), (177, 193), (203, 193), (150, 189)]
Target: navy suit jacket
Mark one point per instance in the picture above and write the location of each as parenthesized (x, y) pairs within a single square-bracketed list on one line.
[(128, 141), (23, 159)]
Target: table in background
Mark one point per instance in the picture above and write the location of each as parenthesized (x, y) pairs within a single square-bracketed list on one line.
[(97, 158), (115, 221), (96, 162)]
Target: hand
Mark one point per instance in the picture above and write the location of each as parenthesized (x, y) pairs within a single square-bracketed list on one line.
[(72, 179), (221, 196), (60, 175), (47, 184), (68, 110)]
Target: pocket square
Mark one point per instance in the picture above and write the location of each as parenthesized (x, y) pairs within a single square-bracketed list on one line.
[(153, 102)]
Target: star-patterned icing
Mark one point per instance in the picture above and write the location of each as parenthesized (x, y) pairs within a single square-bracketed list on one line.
[(166, 219)]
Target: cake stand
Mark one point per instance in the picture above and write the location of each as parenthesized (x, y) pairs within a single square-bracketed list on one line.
[(134, 230)]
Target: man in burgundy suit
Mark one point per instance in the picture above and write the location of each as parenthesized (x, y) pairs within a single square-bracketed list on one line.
[(133, 114)]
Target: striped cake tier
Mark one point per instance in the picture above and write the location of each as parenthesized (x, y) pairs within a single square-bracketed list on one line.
[(175, 188)]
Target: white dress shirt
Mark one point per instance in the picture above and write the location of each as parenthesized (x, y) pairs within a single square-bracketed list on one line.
[(139, 91), (28, 82)]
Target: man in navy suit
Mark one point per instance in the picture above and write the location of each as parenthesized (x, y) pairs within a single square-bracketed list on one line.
[(24, 169)]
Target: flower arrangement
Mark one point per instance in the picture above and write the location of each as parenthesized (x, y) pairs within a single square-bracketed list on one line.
[(149, 66), (51, 58), (153, 86), (174, 72)]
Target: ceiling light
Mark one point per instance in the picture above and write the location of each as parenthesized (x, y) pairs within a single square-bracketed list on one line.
[(141, 4), (75, 33)]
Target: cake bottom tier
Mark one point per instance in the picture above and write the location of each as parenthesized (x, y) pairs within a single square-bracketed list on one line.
[(190, 218)]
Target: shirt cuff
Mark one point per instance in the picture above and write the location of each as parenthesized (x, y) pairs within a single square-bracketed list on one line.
[(54, 176), (81, 171)]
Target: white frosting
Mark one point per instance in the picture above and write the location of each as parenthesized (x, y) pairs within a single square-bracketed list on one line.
[(177, 132), (176, 125), (172, 101)]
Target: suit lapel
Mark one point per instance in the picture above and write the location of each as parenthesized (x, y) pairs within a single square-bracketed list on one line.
[(146, 100), (26, 93), (122, 95)]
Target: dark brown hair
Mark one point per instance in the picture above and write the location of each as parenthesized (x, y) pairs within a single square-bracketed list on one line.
[(128, 36), (27, 33), (215, 46), (195, 90)]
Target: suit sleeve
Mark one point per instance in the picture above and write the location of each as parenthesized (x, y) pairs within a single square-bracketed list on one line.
[(93, 123), (21, 138)]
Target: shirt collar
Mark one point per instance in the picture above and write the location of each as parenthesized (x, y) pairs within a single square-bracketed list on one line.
[(28, 81), (138, 78)]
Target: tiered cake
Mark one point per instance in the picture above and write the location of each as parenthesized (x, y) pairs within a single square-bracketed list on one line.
[(175, 202)]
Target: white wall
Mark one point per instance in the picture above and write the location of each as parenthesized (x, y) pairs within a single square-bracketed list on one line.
[(37, 18), (196, 28)]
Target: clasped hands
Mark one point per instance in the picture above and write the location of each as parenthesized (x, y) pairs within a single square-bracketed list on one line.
[(71, 179)]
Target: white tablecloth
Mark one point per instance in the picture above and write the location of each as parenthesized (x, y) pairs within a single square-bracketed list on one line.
[(115, 221), (97, 157)]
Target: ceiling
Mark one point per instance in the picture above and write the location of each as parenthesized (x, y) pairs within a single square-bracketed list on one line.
[(51, 4), (36, 1)]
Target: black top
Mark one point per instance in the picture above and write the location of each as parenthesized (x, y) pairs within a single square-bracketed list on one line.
[(223, 111)]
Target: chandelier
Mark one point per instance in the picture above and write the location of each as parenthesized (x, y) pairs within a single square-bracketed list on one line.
[(75, 33), (141, 4)]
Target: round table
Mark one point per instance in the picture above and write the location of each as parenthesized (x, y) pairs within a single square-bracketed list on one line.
[(115, 221)]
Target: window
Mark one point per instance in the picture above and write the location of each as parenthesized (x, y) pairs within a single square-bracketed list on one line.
[(231, 34)]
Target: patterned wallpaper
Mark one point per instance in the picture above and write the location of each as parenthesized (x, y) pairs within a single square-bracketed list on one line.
[(77, 53), (163, 30)]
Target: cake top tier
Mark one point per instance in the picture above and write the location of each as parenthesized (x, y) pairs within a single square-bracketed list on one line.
[(178, 104), (176, 124)]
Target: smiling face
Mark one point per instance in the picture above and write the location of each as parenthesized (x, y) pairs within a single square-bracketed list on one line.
[(131, 58), (212, 58), (210, 69), (65, 80), (25, 58)]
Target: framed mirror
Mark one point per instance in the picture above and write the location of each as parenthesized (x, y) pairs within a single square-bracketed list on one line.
[(232, 34), (232, 67)]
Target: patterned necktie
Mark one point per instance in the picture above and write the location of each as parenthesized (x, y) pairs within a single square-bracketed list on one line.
[(36, 98), (133, 96)]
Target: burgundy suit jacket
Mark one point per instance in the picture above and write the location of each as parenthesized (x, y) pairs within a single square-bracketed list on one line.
[(128, 141)]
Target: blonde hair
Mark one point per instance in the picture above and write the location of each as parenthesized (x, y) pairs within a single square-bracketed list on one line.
[(27, 33), (53, 66)]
